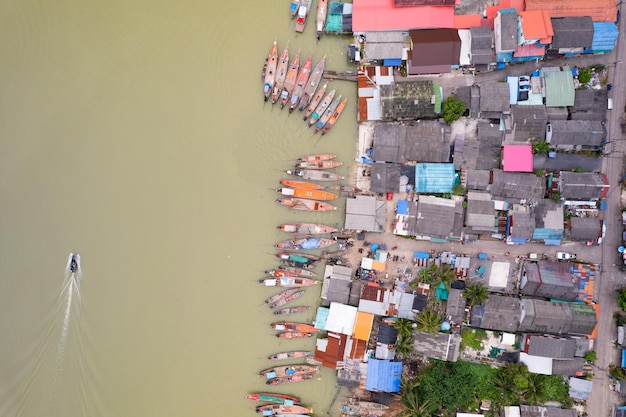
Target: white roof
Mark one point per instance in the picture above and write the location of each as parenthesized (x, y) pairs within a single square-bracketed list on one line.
[(536, 364), (508, 339), (341, 318), (512, 411)]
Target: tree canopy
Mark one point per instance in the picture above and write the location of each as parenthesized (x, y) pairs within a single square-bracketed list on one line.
[(453, 109)]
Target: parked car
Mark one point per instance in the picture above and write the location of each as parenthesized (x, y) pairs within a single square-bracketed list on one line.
[(563, 256), (524, 83)]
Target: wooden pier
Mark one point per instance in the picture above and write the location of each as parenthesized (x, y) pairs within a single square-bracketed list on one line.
[(341, 75)]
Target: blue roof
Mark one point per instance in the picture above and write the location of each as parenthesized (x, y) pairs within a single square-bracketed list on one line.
[(321, 317), (383, 375), (392, 62), (421, 255), (623, 358), (604, 36), (403, 207), (434, 178)]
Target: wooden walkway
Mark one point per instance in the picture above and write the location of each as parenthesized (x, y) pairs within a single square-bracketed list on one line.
[(341, 75)]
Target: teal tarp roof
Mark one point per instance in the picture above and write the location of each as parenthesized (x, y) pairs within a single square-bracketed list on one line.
[(383, 375), (442, 292), (559, 88), (434, 178), (321, 317)]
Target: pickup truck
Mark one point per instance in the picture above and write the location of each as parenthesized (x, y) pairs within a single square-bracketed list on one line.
[(563, 256)]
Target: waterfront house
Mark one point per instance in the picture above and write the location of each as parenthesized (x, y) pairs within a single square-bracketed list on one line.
[(433, 51), (387, 46), (383, 15), (336, 284), (423, 141), (408, 100), (385, 178), (365, 213)]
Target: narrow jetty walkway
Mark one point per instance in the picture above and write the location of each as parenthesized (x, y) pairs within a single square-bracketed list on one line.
[(341, 75)]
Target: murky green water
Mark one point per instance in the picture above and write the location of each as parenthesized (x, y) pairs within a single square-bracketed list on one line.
[(135, 133)]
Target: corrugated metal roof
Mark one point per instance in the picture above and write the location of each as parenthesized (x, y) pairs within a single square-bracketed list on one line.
[(599, 10), (559, 88), (434, 178), (536, 24), (372, 15), (341, 318), (605, 36), (572, 32), (383, 375), (363, 325)]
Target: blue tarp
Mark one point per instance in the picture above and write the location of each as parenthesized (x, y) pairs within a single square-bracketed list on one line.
[(321, 318), (434, 178), (623, 358), (482, 256), (421, 255), (312, 243), (392, 62), (383, 375), (403, 207)]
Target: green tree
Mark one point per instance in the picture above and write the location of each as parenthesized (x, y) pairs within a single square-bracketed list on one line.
[(475, 293), (425, 275), (534, 391), (413, 405), (444, 273), (540, 147), (579, 169), (453, 109), (621, 299), (591, 356), (538, 172), (584, 75), (459, 189), (404, 327), (554, 196), (428, 320), (404, 346)]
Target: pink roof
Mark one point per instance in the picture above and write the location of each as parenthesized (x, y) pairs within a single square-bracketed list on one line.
[(529, 50), (517, 158), (466, 21), (371, 15)]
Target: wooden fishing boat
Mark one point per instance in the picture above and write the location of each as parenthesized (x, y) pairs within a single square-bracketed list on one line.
[(299, 257), (281, 74), (320, 21), (305, 205), (315, 174), (329, 112), (307, 228), (344, 189), (371, 406), (293, 8), (294, 335), (289, 370), (288, 282), (315, 101), (301, 82), (273, 409), (299, 271), (295, 354), (319, 110), (318, 157), (281, 295), (290, 80), (312, 84), (301, 184), (270, 397), (290, 379), (291, 310), (307, 193), (280, 273), (287, 299), (305, 243), (333, 119), (319, 164), (303, 12), (292, 326), (270, 72)]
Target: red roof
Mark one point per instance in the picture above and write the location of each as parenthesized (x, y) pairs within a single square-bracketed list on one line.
[(529, 50), (598, 10), (372, 15), (518, 158), (335, 350), (466, 21)]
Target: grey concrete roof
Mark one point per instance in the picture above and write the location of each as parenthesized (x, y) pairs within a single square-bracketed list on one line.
[(389, 142), (482, 45), (517, 186), (435, 216), (481, 214), (548, 214), (455, 306), (508, 30), (529, 122), (590, 104), (551, 347), (494, 97), (572, 32), (581, 185), (385, 178), (423, 141), (407, 100), (382, 45), (585, 133), (478, 179), (585, 228), (549, 279), (567, 367), (522, 225), (484, 152), (540, 316), (498, 313), (365, 213), (443, 346), (338, 291)]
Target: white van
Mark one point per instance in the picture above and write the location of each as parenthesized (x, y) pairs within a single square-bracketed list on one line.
[(610, 104)]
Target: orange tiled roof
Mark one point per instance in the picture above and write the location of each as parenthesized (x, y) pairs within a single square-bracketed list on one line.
[(598, 10), (536, 24)]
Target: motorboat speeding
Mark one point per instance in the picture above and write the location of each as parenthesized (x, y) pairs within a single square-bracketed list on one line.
[(73, 264)]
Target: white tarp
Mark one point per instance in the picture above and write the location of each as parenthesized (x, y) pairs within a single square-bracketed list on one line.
[(341, 318)]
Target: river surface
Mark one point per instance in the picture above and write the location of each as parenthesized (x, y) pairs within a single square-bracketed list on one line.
[(134, 133)]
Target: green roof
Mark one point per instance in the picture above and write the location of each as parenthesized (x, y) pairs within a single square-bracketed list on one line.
[(559, 88)]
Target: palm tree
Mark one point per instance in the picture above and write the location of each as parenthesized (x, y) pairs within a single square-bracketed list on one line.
[(428, 320), (476, 293), (414, 407), (404, 346), (425, 275), (534, 391), (445, 274), (404, 327)]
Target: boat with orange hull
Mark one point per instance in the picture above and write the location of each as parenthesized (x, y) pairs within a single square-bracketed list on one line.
[(315, 101), (291, 326), (315, 174), (290, 379), (305, 205), (281, 74), (301, 184), (288, 282), (323, 106), (281, 295), (320, 21), (290, 80), (305, 243), (274, 409), (285, 299), (301, 82), (318, 157), (307, 193), (312, 84), (270, 397), (333, 119), (307, 228), (329, 112), (319, 164), (279, 273), (294, 335), (270, 72), (294, 354), (291, 310), (289, 370)]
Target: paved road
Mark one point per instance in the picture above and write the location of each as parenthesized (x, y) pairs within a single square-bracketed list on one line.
[(567, 162)]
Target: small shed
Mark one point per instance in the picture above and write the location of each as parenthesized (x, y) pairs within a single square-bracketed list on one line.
[(580, 389)]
